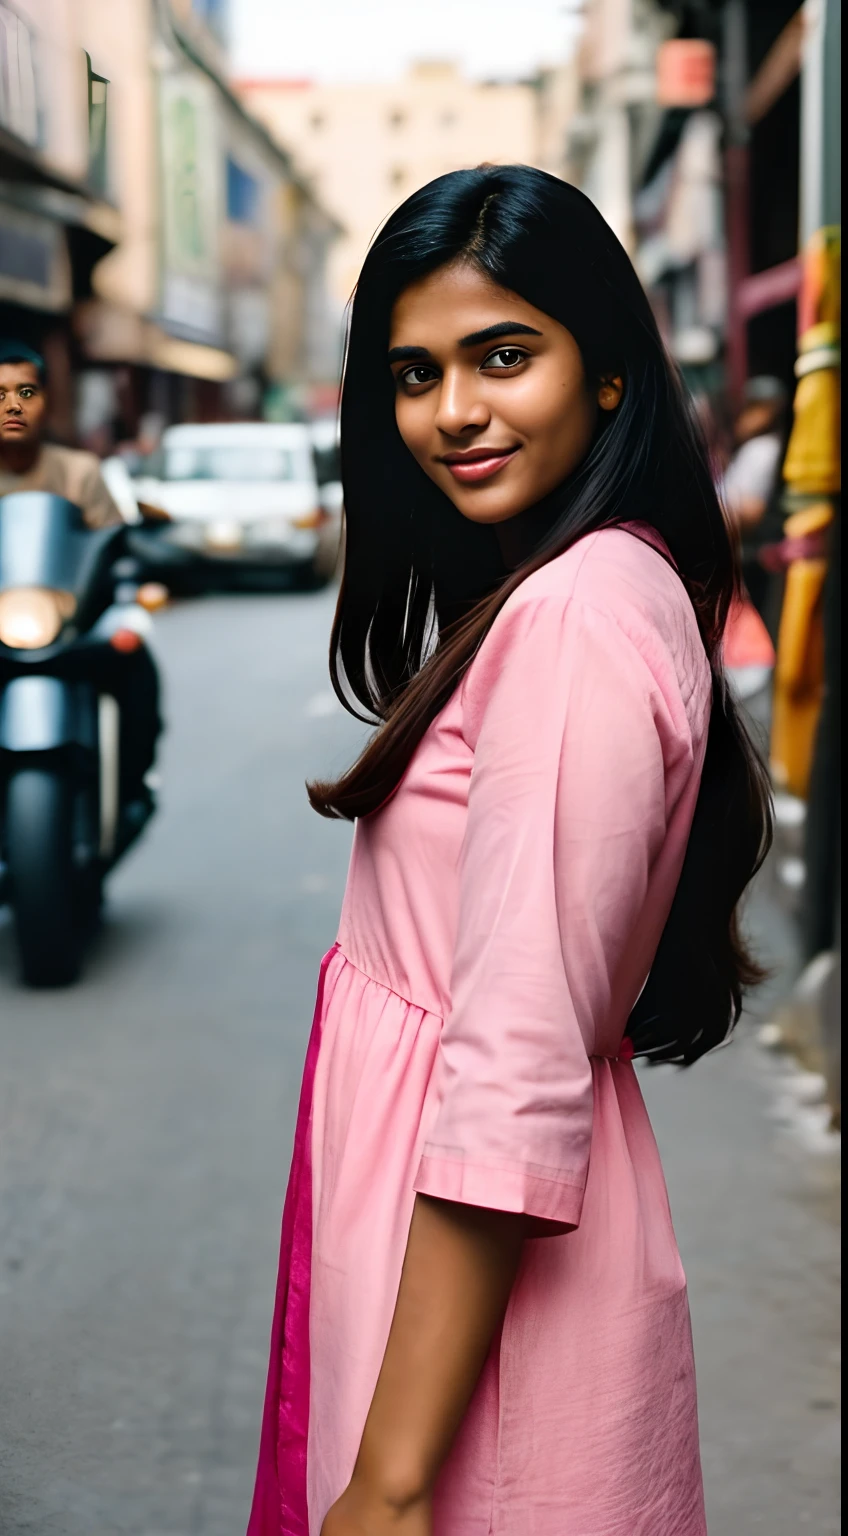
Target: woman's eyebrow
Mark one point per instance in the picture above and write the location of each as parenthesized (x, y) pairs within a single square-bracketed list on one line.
[(475, 339), (494, 332), (407, 354)]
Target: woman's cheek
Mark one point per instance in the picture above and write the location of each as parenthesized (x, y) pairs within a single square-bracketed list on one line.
[(409, 428)]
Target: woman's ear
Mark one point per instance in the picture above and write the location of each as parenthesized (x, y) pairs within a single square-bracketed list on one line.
[(610, 392)]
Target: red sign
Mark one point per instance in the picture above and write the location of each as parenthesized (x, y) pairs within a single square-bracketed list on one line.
[(686, 72)]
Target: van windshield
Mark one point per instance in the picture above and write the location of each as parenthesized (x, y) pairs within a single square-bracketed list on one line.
[(243, 462)]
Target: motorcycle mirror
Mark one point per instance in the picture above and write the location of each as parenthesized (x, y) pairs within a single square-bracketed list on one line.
[(152, 596)]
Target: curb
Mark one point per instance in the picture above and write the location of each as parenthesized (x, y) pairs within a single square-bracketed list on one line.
[(807, 1024)]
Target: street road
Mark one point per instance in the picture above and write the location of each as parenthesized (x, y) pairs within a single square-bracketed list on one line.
[(145, 1128)]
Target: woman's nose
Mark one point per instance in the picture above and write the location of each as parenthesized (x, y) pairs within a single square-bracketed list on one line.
[(461, 404)]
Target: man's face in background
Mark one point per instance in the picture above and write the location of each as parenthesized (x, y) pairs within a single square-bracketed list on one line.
[(22, 405), (756, 418)]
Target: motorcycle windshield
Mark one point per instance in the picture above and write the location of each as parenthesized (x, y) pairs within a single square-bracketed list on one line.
[(45, 543)]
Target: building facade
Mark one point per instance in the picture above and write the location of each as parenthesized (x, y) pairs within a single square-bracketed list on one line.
[(367, 147), (56, 218), (687, 136), (218, 221), (154, 240), (610, 132), (708, 132)]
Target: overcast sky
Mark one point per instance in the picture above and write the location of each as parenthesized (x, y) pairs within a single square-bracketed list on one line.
[(331, 40)]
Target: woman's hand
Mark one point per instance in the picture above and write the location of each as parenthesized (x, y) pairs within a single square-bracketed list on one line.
[(363, 1512)]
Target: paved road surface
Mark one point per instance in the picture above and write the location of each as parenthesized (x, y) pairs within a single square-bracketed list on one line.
[(146, 1118)]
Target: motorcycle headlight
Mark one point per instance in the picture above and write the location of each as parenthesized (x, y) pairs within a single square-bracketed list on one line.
[(31, 617)]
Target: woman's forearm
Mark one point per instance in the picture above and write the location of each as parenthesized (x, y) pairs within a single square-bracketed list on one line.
[(458, 1271)]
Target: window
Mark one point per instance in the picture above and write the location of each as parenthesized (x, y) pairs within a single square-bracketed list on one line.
[(214, 14), (25, 255), (246, 463), (19, 111), (243, 194), (98, 170)]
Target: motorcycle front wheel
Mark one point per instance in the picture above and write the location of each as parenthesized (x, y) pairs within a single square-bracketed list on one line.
[(48, 899)]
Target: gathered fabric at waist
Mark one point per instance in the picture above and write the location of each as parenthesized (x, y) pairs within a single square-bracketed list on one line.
[(624, 1051), (399, 987)]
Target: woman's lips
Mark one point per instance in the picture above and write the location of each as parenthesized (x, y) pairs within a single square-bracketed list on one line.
[(469, 471)]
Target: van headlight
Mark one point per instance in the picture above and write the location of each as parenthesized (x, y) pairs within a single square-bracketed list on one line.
[(31, 617)]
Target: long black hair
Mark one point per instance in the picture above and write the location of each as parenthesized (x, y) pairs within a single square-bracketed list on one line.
[(422, 585)]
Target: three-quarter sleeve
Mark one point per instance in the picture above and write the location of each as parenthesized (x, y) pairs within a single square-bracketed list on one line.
[(573, 731)]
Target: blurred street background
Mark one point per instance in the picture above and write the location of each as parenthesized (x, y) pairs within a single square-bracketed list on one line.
[(187, 190)]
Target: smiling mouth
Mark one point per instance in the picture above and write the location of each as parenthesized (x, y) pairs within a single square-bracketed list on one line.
[(477, 463)]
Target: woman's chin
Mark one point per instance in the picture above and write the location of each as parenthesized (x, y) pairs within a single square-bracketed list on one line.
[(490, 505), (499, 502)]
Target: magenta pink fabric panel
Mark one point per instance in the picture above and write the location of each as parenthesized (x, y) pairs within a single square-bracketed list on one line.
[(279, 1498)]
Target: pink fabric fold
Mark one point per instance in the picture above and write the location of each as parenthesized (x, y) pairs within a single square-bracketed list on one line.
[(279, 1498), (500, 1188)]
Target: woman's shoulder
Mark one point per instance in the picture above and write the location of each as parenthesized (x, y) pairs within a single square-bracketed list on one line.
[(618, 582), (624, 573)]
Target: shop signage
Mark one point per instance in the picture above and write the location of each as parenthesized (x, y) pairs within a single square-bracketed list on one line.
[(686, 72), (191, 203)]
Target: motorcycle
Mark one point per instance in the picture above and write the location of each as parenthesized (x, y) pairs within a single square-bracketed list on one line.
[(71, 645)]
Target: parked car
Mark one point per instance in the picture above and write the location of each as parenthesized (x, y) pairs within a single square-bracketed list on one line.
[(241, 498), (325, 446)]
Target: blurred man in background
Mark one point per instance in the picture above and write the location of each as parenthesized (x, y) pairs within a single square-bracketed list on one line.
[(27, 463), (752, 482), (752, 474)]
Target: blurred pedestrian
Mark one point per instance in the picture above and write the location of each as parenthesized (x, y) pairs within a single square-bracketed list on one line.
[(749, 486), (753, 472), (481, 1319), (27, 462), (751, 483)]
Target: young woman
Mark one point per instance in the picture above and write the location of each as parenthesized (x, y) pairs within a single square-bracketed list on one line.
[(481, 1324)]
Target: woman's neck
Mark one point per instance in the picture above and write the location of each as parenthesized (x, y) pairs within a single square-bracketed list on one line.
[(518, 537)]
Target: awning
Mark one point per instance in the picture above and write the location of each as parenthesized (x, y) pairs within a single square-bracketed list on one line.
[(190, 357), (110, 334), (50, 241)]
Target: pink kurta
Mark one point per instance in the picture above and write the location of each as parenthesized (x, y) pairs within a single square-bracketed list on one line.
[(501, 915)]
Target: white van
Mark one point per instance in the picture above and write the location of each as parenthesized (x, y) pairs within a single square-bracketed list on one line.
[(239, 496)]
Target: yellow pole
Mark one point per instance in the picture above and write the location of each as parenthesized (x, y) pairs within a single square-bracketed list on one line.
[(812, 472)]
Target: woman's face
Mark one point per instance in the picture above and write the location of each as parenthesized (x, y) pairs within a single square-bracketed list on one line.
[(491, 395)]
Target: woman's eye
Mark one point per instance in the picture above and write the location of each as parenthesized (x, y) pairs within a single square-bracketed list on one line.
[(418, 374), (505, 357)]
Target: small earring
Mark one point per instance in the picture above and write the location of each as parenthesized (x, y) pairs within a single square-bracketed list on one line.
[(609, 394)]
